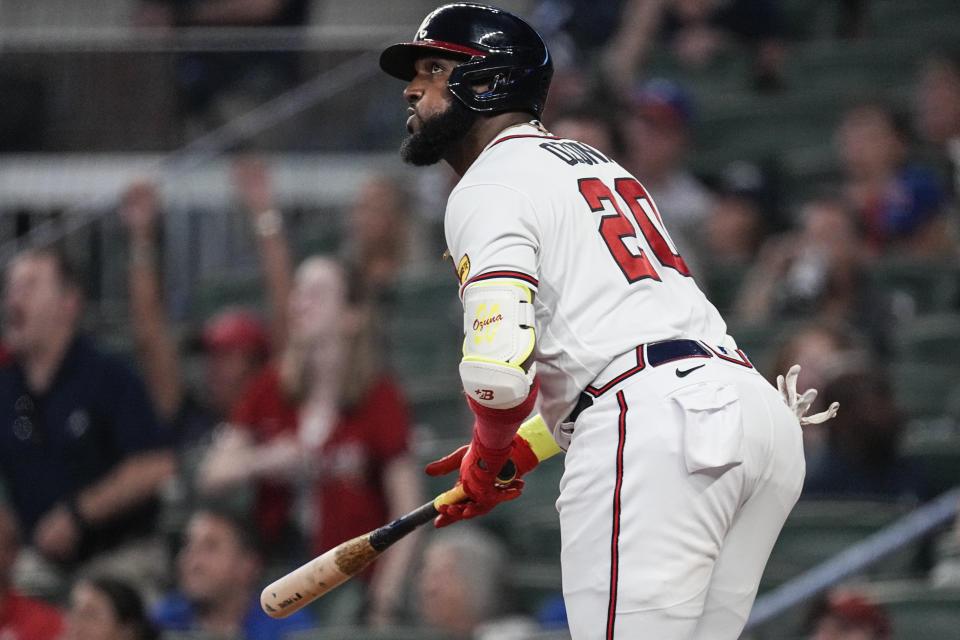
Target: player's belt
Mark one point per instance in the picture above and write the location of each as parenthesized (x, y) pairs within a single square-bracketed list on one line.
[(650, 355), (655, 354), (659, 353)]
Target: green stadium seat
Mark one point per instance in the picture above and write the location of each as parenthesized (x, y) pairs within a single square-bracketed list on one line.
[(439, 407), (350, 632), (315, 235), (425, 336), (722, 285), (855, 67), (562, 634), (530, 524), (923, 390), (758, 341), (927, 287), (819, 529), (932, 20), (931, 339), (215, 293), (939, 457), (532, 583)]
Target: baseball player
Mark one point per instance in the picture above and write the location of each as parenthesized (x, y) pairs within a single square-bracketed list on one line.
[(682, 462)]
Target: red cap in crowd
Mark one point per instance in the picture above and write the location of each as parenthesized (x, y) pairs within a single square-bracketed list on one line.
[(235, 329), (856, 610), (663, 102)]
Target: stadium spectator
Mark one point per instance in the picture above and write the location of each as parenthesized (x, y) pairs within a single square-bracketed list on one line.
[(937, 110), (845, 615), (591, 124), (900, 205), (696, 32), (821, 348), (737, 220), (381, 241), (215, 86), (253, 184), (234, 342), (218, 572), (104, 608), (818, 271), (657, 124), (326, 422), (576, 30), (742, 212), (85, 457), (460, 588), (21, 617), (862, 458)]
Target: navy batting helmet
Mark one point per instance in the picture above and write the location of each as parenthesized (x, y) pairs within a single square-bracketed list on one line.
[(501, 53)]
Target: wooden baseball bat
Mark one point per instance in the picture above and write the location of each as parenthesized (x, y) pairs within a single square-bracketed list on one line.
[(315, 578)]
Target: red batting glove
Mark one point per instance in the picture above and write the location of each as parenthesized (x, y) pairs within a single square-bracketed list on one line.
[(493, 491)]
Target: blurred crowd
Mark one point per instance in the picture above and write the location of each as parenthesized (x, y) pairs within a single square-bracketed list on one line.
[(142, 497)]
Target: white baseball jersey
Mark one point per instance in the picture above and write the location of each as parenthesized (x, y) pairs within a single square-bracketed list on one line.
[(677, 479), (580, 231)]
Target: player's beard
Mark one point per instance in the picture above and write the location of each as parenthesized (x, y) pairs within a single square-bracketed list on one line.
[(437, 134)]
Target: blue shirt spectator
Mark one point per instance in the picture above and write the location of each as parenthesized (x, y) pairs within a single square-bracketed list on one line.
[(218, 575), (176, 613)]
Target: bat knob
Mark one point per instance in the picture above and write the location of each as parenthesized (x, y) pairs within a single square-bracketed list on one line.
[(508, 472)]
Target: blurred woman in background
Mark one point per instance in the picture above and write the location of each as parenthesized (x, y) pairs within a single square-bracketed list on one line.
[(324, 434)]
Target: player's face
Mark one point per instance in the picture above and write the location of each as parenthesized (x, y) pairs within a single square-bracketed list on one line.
[(436, 120), (427, 93)]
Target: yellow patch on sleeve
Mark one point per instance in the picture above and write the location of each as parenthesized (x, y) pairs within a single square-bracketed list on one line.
[(463, 269)]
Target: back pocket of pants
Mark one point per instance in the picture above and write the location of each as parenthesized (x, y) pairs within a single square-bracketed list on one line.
[(712, 426)]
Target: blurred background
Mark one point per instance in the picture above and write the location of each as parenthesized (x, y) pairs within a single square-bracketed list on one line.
[(213, 190)]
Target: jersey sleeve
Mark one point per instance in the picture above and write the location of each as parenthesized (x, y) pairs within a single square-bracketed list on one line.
[(491, 232)]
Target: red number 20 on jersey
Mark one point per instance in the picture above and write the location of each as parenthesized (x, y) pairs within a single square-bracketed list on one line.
[(614, 227)]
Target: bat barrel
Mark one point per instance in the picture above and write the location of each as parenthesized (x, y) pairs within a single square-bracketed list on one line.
[(305, 584)]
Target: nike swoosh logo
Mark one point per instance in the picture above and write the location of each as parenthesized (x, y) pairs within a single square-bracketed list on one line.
[(681, 374)]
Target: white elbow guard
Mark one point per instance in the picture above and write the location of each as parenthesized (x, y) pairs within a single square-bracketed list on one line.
[(499, 337)]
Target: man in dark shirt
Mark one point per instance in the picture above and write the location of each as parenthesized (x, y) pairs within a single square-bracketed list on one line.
[(81, 452)]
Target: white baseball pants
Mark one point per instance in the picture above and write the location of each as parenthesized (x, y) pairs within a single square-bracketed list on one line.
[(674, 491)]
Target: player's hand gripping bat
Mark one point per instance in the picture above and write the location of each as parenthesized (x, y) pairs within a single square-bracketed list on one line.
[(308, 582)]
